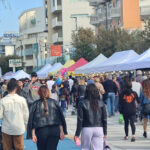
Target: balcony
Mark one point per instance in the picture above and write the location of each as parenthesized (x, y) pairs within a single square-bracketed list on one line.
[(28, 52), (57, 38), (115, 12), (56, 23), (56, 9), (145, 12), (96, 2), (94, 19)]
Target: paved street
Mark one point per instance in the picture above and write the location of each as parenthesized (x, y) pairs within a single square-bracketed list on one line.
[(115, 136)]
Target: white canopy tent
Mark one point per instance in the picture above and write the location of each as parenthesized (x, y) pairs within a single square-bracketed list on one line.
[(84, 69), (141, 61), (20, 74), (55, 67), (112, 62), (42, 73)]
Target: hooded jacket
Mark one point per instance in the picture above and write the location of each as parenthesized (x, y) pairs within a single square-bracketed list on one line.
[(127, 102)]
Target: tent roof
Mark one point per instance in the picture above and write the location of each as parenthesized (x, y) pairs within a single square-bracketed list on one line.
[(78, 64), (20, 74), (84, 69), (68, 63), (43, 69), (56, 66), (111, 63), (137, 62)]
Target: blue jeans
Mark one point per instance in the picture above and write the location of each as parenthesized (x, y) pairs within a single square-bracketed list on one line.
[(111, 103), (64, 111), (116, 103)]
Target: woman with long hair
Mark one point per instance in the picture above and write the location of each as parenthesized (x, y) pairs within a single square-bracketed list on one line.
[(127, 106), (46, 122), (145, 103), (91, 120)]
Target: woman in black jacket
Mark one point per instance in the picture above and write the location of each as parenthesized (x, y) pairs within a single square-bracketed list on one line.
[(127, 106), (46, 122), (91, 119)]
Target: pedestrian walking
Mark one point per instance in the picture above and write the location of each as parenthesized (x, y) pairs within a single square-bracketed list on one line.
[(99, 86), (54, 93), (91, 120), (14, 114), (145, 103), (46, 122), (74, 91), (90, 80), (81, 91), (117, 94), (50, 82), (30, 90), (111, 91), (127, 107), (63, 99)]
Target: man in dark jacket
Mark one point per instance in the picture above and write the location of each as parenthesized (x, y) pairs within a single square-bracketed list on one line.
[(111, 90)]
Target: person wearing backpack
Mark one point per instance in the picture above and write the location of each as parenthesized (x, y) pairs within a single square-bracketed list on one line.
[(127, 107)]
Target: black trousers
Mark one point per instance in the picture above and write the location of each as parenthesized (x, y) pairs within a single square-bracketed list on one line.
[(47, 138), (131, 119)]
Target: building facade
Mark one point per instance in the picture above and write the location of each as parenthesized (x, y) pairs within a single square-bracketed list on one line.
[(31, 43), (7, 43), (126, 14), (64, 18)]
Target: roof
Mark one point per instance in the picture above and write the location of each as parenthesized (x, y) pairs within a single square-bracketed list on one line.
[(84, 69), (112, 62), (78, 64)]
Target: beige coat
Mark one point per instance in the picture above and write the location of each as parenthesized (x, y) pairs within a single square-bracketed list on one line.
[(100, 88)]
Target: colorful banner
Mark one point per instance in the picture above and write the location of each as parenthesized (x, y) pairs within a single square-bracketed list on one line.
[(55, 50)]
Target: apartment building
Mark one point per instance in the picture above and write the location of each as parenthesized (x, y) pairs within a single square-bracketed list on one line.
[(31, 43), (64, 18), (126, 14), (7, 43)]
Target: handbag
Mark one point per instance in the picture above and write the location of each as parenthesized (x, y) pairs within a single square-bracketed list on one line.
[(120, 118), (146, 109), (106, 146)]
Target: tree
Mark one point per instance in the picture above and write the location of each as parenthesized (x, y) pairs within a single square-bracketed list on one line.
[(4, 63), (83, 41), (115, 40)]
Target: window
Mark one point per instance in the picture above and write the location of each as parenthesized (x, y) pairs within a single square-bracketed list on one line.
[(58, 2), (29, 69), (118, 3), (29, 57), (53, 3)]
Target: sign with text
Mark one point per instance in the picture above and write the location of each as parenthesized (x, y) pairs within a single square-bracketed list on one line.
[(55, 50), (15, 63)]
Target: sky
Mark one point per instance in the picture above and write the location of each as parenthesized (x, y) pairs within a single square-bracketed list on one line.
[(11, 10)]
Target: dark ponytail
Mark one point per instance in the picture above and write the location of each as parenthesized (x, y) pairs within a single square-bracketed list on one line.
[(44, 94)]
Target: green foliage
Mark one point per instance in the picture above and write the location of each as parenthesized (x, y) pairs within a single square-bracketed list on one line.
[(116, 40), (110, 41), (83, 41), (4, 63)]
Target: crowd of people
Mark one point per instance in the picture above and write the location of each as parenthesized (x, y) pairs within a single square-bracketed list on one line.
[(40, 106)]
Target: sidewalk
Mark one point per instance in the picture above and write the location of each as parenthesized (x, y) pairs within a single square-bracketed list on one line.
[(63, 145)]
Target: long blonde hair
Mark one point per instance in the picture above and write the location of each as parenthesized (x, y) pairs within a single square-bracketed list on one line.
[(146, 88)]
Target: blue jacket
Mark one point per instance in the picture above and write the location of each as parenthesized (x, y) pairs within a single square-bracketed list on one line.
[(143, 99)]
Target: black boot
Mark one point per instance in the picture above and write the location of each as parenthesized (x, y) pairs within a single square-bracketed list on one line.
[(145, 134)]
